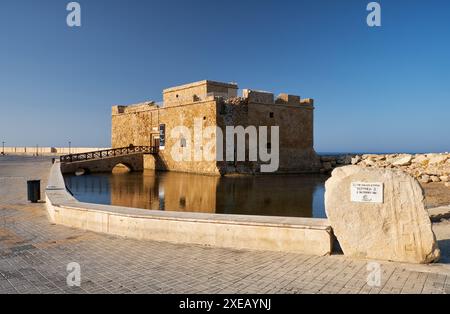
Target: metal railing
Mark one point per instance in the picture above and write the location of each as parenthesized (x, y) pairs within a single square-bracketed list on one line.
[(113, 152)]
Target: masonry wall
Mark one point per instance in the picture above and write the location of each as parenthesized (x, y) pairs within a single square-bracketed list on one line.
[(134, 126), (296, 127), (137, 128), (198, 91), (184, 95)]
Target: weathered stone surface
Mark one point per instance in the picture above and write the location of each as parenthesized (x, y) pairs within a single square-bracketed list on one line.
[(445, 178), (403, 161), (425, 179), (438, 159), (399, 229), (435, 179), (421, 166), (356, 160), (420, 159)]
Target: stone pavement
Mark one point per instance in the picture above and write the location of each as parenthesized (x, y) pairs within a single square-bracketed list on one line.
[(34, 255)]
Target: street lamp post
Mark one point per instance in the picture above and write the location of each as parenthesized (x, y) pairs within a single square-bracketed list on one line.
[(3, 148), (70, 144)]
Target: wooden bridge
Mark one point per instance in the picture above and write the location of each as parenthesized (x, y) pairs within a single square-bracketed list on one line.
[(106, 160)]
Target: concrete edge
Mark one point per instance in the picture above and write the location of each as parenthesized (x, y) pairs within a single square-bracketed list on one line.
[(300, 235)]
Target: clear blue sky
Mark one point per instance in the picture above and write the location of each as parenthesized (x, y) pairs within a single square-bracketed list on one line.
[(376, 89)]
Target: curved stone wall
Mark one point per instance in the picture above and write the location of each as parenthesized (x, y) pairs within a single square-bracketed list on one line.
[(300, 235)]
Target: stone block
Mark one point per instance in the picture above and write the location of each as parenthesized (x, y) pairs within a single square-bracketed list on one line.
[(383, 218)]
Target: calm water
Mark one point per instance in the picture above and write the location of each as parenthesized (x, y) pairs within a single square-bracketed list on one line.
[(292, 196)]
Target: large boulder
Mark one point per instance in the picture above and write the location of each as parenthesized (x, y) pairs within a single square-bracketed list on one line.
[(380, 214)]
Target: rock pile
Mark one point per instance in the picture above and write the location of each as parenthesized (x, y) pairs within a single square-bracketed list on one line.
[(331, 162), (424, 167)]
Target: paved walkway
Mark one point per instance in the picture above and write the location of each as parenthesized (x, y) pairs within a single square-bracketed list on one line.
[(34, 255)]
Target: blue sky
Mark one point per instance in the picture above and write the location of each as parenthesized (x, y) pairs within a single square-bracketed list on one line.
[(376, 89)]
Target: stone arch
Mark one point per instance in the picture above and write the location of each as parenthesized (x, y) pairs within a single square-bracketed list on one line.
[(122, 167), (81, 171)]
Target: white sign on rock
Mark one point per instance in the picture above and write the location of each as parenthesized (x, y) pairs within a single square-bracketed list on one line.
[(363, 192)]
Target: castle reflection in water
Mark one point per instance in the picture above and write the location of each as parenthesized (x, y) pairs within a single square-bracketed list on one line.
[(290, 196)]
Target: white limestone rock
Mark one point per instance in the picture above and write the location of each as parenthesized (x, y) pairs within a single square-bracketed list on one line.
[(403, 161), (435, 179), (438, 159), (425, 178), (445, 178), (420, 159), (398, 229)]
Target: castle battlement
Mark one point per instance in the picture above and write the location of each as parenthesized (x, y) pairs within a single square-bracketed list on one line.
[(206, 90)]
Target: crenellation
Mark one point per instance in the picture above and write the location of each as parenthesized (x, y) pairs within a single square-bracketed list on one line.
[(307, 101), (258, 97), (135, 108), (288, 99)]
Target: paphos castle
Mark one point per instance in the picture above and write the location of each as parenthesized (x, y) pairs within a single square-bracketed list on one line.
[(205, 127)]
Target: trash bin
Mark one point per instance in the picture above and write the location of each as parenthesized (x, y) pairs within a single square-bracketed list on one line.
[(34, 191)]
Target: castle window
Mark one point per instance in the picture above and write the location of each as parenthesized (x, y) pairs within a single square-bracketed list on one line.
[(271, 115), (162, 135), (269, 146), (183, 142)]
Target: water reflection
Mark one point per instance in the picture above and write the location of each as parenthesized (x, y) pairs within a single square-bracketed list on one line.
[(293, 196)]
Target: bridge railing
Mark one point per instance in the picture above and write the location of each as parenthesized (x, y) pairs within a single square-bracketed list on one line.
[(113, 152)]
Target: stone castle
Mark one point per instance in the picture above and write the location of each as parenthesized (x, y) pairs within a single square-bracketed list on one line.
[(218, 105)]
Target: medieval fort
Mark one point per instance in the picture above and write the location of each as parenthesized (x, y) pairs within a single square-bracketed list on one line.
[(217, 104)]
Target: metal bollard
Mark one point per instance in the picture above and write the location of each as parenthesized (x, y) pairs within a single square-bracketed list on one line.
[(34, 191)]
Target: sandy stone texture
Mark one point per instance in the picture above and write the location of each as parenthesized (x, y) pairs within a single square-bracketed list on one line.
[(399, 229)]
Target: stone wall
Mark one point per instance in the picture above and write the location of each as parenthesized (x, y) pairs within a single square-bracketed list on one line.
[(299, 235), (296, 127), (138, 127)]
